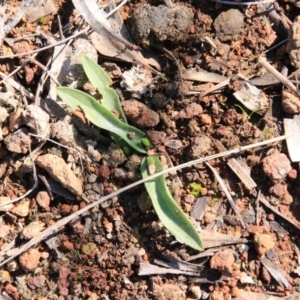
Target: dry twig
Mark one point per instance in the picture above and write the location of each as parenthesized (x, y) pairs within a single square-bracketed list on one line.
[(278, 75)]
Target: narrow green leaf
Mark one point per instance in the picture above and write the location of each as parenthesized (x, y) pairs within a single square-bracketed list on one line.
[(167, 209), (99, 79), (102, 117)]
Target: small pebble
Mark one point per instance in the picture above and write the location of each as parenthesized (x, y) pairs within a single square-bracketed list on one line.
[(196, 291), (29, 260), (159, 100), (263, 243), (104, 172), (43, 200), (92, 178), (292, 174), (32, 230), (21, 209), (4, 276), (60, 171), (222, 260), (276, 166)]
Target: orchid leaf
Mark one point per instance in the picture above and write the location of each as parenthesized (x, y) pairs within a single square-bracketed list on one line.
[(168, 211), (100, 80), (102, 117)]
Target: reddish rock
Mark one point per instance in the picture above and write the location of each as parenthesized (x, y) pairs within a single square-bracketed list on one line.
[(256, 229), (67, 245), (277, 190), (276, 166), (193, 110), (139, 114), (59, 171), (37, 281), (65, 209), (205, 119), (12, 291), (82, 204), (156, 137), (63, 281), (29, 260), (104, 172), (224, 131), (222, 260), (43, 200), (76, 225), (292, 174), (230, 117)]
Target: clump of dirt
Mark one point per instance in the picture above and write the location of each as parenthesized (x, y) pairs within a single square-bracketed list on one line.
[(150, 24), (228, 24)]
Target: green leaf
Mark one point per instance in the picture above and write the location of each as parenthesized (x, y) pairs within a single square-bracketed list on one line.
[(102, 117), (99, 79), (168, 211)]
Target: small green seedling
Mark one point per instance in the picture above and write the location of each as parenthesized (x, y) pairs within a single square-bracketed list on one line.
[(267, 132), (244, 112), (42, 20), (126, 136), (195, 189), (213, 201)]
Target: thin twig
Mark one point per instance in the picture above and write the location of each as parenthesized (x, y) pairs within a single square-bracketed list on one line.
[(16, 70), (278, 75), (60, 27), (275, 46), (44, 77), (229, 198), (54, 228), (171, 55), (276, 211), (17, 86), (210, 41), (115, 9), (216, 87), (44, 68)]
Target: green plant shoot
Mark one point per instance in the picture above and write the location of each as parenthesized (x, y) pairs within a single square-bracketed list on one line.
[(101, 115), (195, 189)]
